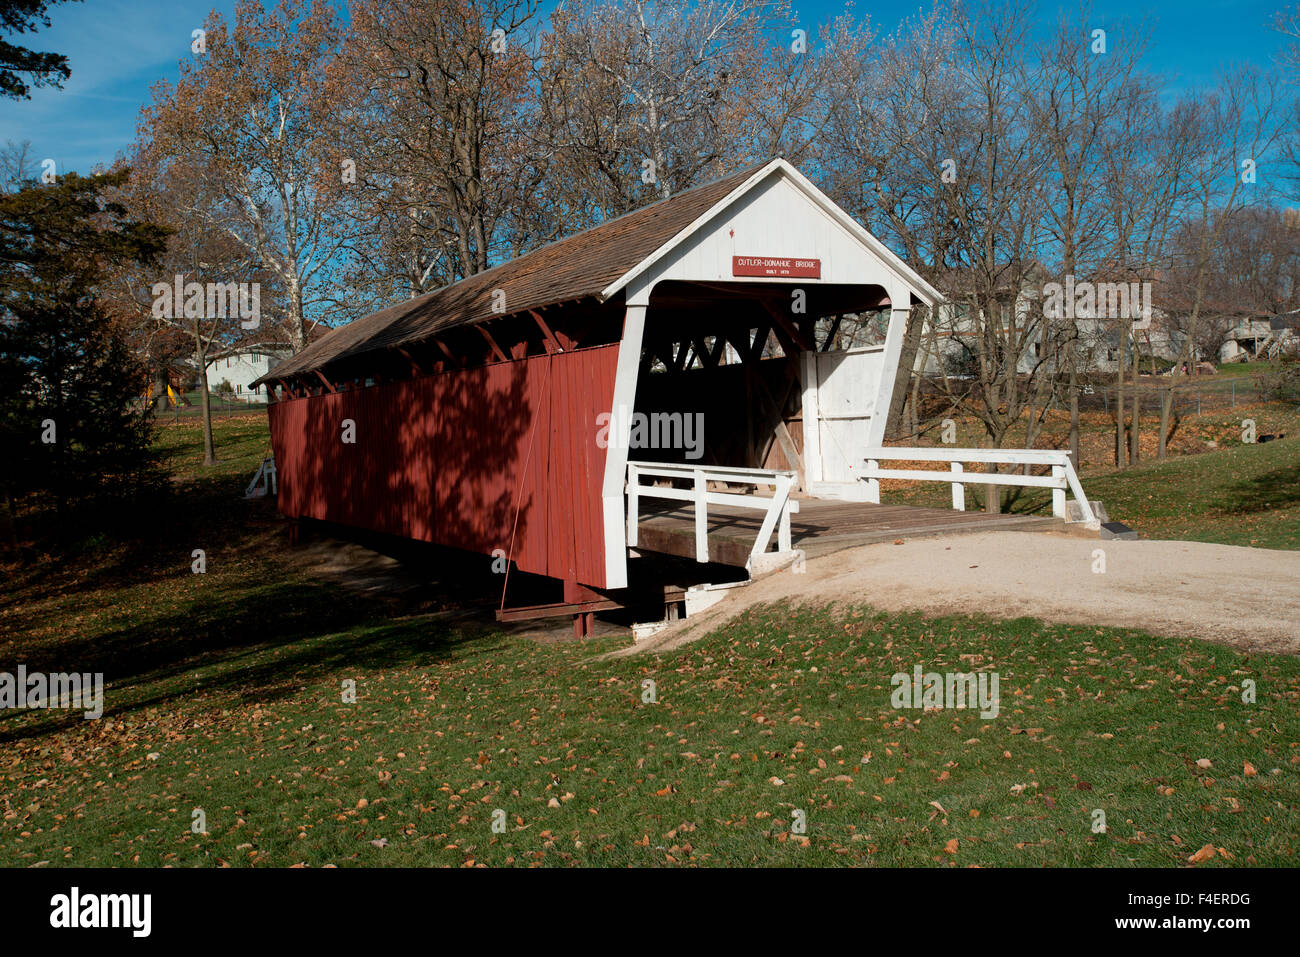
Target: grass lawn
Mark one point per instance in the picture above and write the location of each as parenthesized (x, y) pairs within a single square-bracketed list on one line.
[(1248, 368), (225, 693), (1246, 495)]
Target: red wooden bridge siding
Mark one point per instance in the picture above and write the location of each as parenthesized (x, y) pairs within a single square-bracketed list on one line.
[(446, 458)]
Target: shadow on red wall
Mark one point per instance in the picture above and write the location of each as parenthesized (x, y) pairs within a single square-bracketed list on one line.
[(470, 459)]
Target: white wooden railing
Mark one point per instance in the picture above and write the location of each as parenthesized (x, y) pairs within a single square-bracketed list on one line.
[(265, 481), (777, 508), (1062, 478)]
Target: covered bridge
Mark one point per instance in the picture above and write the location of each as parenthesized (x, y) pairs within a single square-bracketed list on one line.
[(667, 358)]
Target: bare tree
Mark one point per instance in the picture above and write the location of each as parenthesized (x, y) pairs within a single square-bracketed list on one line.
[(994, 202), (672, 85), (438, 134), (883, 160), (801, 86), (1079, 106), (17, 165), (252, 111), (1142, 184), (175, 298), (1287, 23), (1228, 134)]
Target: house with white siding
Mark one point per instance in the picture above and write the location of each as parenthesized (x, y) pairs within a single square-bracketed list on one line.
[(243, 368), (1261, 338), (954, 337)]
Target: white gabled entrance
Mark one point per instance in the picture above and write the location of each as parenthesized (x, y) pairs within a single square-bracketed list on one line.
[(775, 231)]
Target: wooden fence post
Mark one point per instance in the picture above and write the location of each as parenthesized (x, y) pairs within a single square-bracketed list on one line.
[(701, 517)]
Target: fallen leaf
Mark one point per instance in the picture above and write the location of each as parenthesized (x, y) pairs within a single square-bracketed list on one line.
[(1204, 854)]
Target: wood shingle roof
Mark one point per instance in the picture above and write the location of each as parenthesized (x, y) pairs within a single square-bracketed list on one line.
[(579, 266)]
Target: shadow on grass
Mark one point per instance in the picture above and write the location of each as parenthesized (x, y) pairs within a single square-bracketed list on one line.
[(1017, 502), (263, 644), (103, 599), (1277, 489), (146, 541)]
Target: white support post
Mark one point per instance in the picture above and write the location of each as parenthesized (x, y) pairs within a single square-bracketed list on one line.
[(701, 517), (812, 449), (266, 477), (613, 487), (1072, 479), (633, 504), (900, 304), (1058, 493), (958, 489), (252, 486), (783, 542), (780, 498), (873, 483)]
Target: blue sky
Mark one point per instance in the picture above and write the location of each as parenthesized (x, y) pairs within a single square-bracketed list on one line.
[(118, 48)]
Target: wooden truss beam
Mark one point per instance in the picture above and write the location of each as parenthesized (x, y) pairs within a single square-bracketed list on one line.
[(709, 359), (548, 337), (415, 366), (830, 335), (496, 349), (446, 351), (786, 325)]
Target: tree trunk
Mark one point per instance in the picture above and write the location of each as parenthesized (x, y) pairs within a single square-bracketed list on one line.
[(993, 493), (1136, 434), (60, 470), (296, 320), (1165, 404), (915, 405), (1121, 445), (657, 147), (158, 397), (1074, 417), (209, 452), (911, 345)]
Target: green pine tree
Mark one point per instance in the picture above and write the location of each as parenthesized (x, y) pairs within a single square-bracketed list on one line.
[(72, 427)]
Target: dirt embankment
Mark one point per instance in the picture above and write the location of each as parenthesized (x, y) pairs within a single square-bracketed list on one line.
[(1245, 597)]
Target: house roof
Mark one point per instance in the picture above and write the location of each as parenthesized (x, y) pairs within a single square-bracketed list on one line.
[(597, 262)]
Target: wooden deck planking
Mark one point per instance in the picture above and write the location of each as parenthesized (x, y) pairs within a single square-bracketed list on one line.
[(820, 527)]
